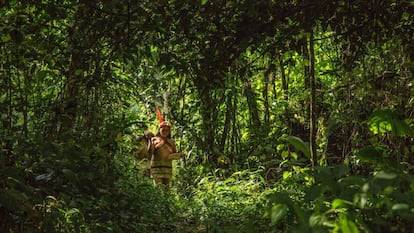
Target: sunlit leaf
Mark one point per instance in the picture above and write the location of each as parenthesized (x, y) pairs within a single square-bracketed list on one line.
[(72, 211), (383, 121), (318, 220), (286, 174), (340, 203), (119, 136), (278, 212), (346, 225), (400, 206), (385, 175), (299, 145)]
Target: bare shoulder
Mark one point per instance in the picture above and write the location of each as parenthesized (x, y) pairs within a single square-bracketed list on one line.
[(170, 141)]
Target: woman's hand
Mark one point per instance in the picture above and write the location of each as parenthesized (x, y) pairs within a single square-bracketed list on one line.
[(157, 142)]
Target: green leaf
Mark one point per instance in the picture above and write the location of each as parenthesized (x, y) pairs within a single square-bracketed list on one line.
[(6, 38), (400, 206), (340, 203), (299, 145), (385, 175), (203, 2), (70, 175), (346, 225), (370, 154), (317, 220), (383, 121), (402, 128), (341, 170), (72, 211), (313, 193), (278, 212)]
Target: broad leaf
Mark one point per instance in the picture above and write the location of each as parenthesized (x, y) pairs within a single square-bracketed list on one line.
[(278, 212), (346, 225), (385, 175), (370, 154), (299, 145), (383, 121), (340, 203)]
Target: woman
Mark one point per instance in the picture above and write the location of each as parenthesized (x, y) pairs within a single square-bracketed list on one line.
[(164, 152)]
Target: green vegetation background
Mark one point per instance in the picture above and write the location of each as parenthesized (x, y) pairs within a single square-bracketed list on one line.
[(294, 116)]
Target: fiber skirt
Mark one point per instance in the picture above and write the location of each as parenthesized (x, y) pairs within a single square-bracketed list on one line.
[(161, 172)]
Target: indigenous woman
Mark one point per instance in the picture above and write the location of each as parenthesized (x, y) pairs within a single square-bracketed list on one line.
[(164, 152)]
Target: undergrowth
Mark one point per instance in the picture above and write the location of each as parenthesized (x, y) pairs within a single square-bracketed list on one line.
[(231, 204)]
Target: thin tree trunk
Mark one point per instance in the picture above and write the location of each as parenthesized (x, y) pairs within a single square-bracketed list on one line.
[(284, 80), (285, 87), (25, 104), (166, 107), (312, 107), (82, 39), (7, 123), (252, 103), (266, 80), (207, 109), (67, 116), (227, 122), (306, 65), (235, 133)]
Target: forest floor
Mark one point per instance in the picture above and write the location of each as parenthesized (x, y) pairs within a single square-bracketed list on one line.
[(185, 227)]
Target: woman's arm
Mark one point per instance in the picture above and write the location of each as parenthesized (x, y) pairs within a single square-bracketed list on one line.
[(175, 156), (171, 143), (157, 142)]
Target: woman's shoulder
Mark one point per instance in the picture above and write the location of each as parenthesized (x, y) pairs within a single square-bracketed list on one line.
[(170, 140)]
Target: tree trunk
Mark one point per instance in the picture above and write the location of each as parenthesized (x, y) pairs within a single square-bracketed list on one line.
[(266, 80), (283, 74), (207, 109), (285, 93), (82, 39), (312, 105), (306, 65), (252, 103), (227, 122)]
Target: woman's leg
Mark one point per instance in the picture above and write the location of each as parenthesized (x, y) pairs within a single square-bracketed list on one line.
[(158, 180), (166, 182)]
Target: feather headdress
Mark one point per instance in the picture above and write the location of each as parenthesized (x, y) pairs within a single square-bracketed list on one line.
[(161, 119)]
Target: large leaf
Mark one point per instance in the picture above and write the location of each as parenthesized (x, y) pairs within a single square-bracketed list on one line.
[(400, 207), (299, 145), (346, 225), (371, 154), (278, 212), (340, 203), (383, 121), (385, 175)]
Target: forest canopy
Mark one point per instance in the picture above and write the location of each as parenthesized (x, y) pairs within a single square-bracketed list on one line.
[(294, 116)]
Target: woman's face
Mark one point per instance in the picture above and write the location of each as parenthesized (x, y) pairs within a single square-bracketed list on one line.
[(164, 131)]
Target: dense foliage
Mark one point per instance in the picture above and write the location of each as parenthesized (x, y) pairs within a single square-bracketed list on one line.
[(295, 116)]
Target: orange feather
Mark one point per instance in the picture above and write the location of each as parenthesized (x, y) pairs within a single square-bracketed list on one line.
[(159, 116)]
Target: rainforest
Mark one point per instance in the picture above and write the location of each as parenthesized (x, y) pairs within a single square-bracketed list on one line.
[(289, 116)]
